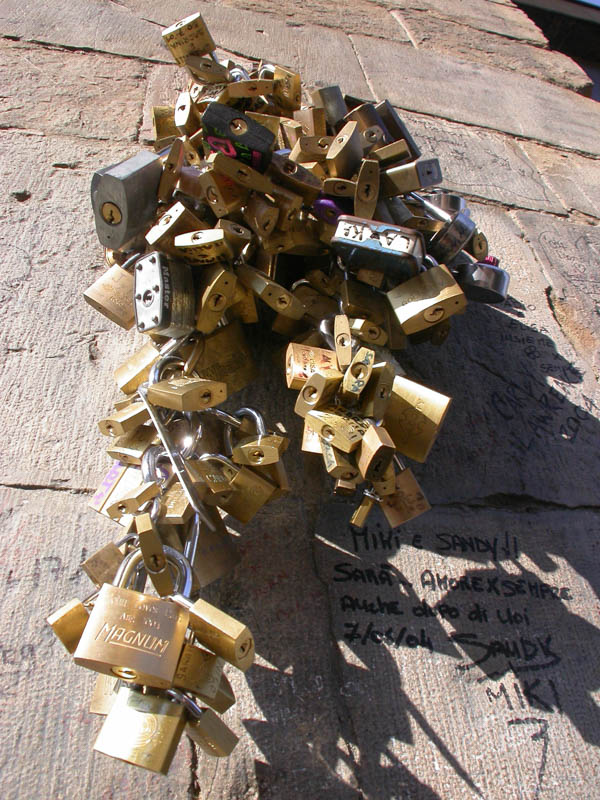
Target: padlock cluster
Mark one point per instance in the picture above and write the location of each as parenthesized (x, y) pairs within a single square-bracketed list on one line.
[(254, 208)]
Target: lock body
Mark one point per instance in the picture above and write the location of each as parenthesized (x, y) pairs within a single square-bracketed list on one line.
[(133, 636)]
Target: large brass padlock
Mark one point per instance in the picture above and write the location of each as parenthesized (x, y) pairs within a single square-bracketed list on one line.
[(426, 299), (142, 729), (133, 635)]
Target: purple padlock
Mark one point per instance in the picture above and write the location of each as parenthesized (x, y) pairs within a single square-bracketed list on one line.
[(326, 209)]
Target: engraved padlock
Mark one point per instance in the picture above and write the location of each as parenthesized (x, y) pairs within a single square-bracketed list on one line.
[(142, 729), (133, 635)]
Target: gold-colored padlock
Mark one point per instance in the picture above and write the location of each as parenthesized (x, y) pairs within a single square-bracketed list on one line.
[(68, 623), (311, 148), (124, 421), (287, 90), (320, 387), (343, 488), (240, 173), (189, 36), (133, 372), (216, 554), (216, 291), (343, 340), (376, 395), (211, 734), (427, 299), (391, 155), (187, 117), (104, 694), (289, 132), (250, 490), (224, 698), (312, 120), (221, 633), (133, 635), (311, 441), (112, 296), (223, 195), (338, 464), (367, 331), (376, 453), (303, 360), (224, 355), (176, 220), (357, 375), (338, 426), (101, 567), (187, 394), (271, 293), (175, 506), (198, 671), (407, 502), (130, 447), (133, 500), (203, 247), (385, 485), (414, 417), (359, 517), (163, 126), (346, 152), (142, 729), (153, 552), (366, 192)]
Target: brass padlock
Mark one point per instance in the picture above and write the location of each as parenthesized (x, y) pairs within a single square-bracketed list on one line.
[(187, 116), (359, 517), (287, 90), (68, 623), (176, 220), (175, 506), (132, 635), (426, 299), (386, 484), (124, 421), (142, 729), (346, 152), (112, 296), (376, 395), (243, 174), (187, 394), (331, 100), (101, 567), (410, 177), (211, 734), (357, 375), (414, 417), (311, 441), (311, 148), (261, 214), (294, 177), (134, 371), (153, 553), (343, 340), (261, 449), (216, 291), (224, 698), (303, 360), (189, 36), (312, 120), (320, 387), (366, 192), (271, 293), (104, 694), (163, 126), (376, 453), (198, 671), (219, 632), (392, 154), (367, 331), (133, 500), (338, 426), (215, 552), (224, 355), (203, 247), (251, 492), (338, 464), (130, 447), (407, 502)]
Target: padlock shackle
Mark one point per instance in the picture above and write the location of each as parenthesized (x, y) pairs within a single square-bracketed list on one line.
[(156, 370), (220, 459), (256, 416), (178, 560), (186, 701)]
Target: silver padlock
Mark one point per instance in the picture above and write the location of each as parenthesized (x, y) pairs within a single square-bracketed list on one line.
[(363, 243), (124, 198), (164, 298), (483, 281)]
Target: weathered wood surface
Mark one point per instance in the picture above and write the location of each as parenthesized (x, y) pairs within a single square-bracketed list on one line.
[(455, 658)]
